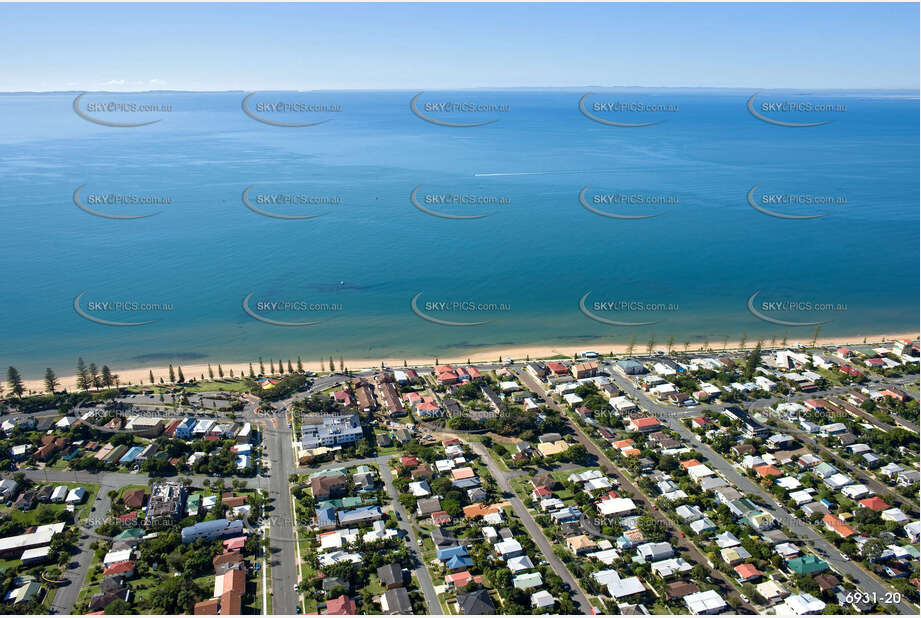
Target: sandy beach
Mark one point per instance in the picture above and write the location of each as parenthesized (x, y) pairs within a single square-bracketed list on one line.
[(141, 375)]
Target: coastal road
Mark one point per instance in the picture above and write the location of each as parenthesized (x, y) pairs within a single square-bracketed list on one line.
[(681, 541), (537, 534), (866, 582), (78, 567), (282, 553), (403, 521)]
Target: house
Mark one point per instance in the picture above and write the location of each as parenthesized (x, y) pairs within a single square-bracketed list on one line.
[(801, 604), (542, 600), (519, 563), (808, 564), (427, 506), (391, 575), (341, 606), (395, 601), (524, 581), (644, 424), (459, 580), (509, 548), (747, 572), (618, 587), (651, 552), (680, 589), (671, 566), (837, 526), (706, 602), (580, 544), (75, 496), (772, 591), (476, 603)]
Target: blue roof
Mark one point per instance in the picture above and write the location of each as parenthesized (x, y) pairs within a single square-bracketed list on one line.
[(326, 517), (210, 527), (131, 455), (459, 562), (450, 552), (360, 513)]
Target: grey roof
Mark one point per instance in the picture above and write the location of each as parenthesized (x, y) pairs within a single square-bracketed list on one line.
[(476, 603), (391, 574), (398, 601)]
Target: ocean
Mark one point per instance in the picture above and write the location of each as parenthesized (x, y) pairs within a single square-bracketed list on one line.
[(699, 270)]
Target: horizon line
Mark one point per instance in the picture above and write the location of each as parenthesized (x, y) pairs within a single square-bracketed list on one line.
[(915, 90)]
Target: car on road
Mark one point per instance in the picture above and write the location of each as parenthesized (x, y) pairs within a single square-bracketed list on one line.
[(845, 557), (294, 587)]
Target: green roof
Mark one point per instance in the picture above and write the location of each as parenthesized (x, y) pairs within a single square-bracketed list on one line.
[(806, 565)]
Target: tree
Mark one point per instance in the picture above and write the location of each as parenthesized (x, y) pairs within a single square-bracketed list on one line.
[(150, 375), (210, 372), (172, 374), (815, 334), (651, 343), (118, 607), (83, 381), (220, 371), (15, 381), (271, 367), (252, 374), (51, 380), (670, 343), (631, 345), (107, 380), (872, 549), (290, 366), (175, 595), (261, 367), (95, 380), (179, 375), (300, 365)]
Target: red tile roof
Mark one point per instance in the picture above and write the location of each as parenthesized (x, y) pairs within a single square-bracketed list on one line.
[(120, 567), (748, 571), (875, 503), (842, 529), (340, 606)]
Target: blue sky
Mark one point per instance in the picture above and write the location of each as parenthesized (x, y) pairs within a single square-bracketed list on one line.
[(351, 46)]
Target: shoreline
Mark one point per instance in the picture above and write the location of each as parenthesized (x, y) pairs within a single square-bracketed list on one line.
[(141, 375)]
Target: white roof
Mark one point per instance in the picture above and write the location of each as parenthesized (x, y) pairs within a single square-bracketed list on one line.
[(508, 546), (41, 536), (617, 586), (802, 604), (615, 506), (894, 514), (699, 471), (605, 556), (114, 557), (542, 598), (75, 495), (419, 489), (705, 602), (35, 552), (337, 538), (521, 563)]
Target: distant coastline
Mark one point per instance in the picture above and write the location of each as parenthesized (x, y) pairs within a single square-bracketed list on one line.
[(141, 375)]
